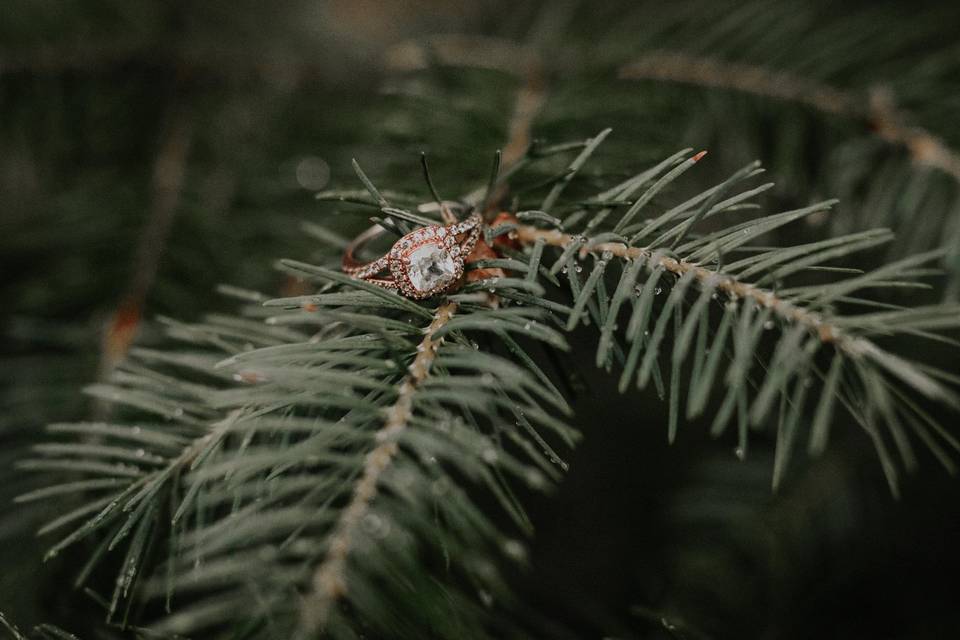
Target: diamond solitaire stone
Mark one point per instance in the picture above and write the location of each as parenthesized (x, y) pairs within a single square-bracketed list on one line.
[(431, 267)]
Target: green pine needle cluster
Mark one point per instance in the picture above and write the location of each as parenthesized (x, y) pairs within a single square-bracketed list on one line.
[(345, 461), (328, 462)]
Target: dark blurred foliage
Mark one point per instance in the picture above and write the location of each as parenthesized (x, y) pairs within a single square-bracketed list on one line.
[(186, 139)]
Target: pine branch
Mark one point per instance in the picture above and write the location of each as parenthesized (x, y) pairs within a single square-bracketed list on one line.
[(322, 444), (499, 54), (675, 66), (785, 309), (310, 449), (329, 581), (166, 186), (877, 111), (325, 443), (805, 314)]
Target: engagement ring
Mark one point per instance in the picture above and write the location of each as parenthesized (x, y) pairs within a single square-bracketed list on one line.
[(422, 263)]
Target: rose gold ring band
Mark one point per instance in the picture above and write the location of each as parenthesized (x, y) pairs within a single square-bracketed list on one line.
[(424, 262)]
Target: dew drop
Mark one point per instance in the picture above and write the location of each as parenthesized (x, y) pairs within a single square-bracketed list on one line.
[(578, 268), (658, 291), (439, 487), (535, 479), (740, 453), (485, 598), (375, 525), (514, 549), (768, 325), (371, 522)]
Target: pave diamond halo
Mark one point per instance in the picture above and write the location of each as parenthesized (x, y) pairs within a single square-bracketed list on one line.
[(423, 263)]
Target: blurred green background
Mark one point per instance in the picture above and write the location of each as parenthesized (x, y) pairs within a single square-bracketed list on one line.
[(150, 151)]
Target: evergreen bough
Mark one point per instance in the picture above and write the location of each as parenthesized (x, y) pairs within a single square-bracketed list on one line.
[(334, 460), (316, 463)]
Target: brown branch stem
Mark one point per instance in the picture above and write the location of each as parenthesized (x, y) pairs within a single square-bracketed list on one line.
[(784, 309), (330, 580), (876, 111)]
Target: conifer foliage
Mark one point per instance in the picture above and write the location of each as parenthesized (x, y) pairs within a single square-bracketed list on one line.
[(346, 462), (313, 464)]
